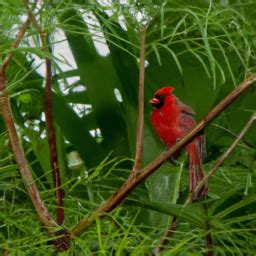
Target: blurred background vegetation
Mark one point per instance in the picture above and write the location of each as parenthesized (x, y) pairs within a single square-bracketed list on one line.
[(203, 48)]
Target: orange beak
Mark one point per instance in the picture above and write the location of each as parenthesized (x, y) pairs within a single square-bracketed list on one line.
[(154, 101)]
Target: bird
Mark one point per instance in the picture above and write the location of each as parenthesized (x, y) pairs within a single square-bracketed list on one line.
[(171, 120)]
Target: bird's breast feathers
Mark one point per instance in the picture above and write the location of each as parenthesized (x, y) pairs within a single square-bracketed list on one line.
[(166, 124)]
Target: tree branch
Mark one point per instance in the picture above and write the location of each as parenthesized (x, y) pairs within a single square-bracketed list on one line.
[(169, 233), (17, 149), (116, 198), (15, 44), (5, 252), (140, 122), (221, 159), (49, 118), (200, 185), (52, 143)]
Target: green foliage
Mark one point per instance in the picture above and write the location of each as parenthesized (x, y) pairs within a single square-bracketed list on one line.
[(203, 49)]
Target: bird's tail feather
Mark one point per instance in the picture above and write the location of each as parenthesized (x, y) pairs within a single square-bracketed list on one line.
[(196, 151)]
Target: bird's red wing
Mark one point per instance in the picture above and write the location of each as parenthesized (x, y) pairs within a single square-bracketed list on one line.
[(187, 122), (185, 108), (186, 116)]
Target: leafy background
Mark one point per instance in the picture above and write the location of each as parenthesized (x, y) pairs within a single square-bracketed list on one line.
[(203, 49)]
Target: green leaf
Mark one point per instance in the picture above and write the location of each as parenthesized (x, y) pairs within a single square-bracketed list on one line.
[(168, 192), (187, 214), (101, 80), (77, 133)]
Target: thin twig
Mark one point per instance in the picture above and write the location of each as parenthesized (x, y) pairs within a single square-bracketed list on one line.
[(140, 122), (222, 158), (116, 198), (200, 185), (5, 252), (52, 143), (15, 44), (34, 21), (17, 149), (169, 233), (49, 118), (209, 241), (248, 144)]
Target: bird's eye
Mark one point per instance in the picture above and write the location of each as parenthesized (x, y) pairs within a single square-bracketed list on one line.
[(161, 99)]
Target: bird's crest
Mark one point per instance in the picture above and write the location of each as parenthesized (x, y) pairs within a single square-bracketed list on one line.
[(165, 91)]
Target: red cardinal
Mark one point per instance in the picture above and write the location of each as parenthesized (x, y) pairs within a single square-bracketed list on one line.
[(171, 120)]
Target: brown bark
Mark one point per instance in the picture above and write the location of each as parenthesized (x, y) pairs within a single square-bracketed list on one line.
[(52, 143), (49, 119), (222, 158), (140, 122), (20, 159), (116, 198)]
